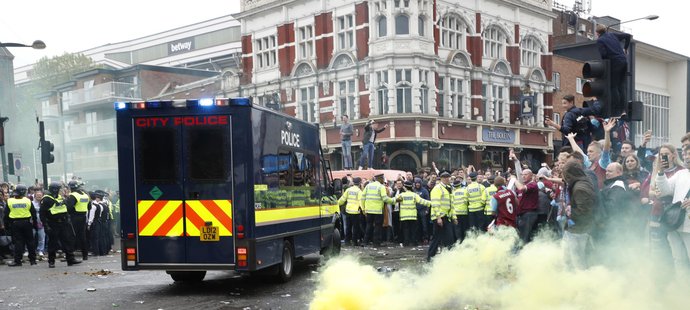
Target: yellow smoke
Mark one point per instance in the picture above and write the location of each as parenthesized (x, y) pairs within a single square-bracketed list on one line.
[(484, 272)]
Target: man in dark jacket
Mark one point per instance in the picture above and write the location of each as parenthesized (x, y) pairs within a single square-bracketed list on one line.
[(609, 45), (423, 217), (617, 202), (580, 213), (569, 123), (370, 132)]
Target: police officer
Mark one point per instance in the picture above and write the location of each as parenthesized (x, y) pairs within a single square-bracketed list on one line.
[(57, 225), (373, 199), (77, 205), (489, 215), (408, 212), (476, 199), (441, 215), (351, 198), (459, 203), (21, 217)]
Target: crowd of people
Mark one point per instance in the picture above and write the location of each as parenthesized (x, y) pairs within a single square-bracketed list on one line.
[(64, 219), (596, 195)]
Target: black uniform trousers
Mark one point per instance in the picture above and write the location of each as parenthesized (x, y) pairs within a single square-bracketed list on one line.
[(81, 241), (23, 236), (409, 231), (374, 226), (60, 233), (442, 234), (353, 228)]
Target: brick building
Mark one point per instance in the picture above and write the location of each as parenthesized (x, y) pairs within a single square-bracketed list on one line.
[(447, 77)]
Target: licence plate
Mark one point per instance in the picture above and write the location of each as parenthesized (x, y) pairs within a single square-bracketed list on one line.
[(209, 233)]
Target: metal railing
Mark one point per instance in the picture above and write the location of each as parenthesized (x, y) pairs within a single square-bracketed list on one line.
[(101, 161), (100, 92), (91, 130), (51, 111)]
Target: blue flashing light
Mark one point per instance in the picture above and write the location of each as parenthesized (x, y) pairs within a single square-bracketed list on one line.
[(120, 105), (206, 102), (241, 101), (153, 104)]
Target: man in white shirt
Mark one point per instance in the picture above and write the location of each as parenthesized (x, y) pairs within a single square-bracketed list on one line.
[(40, 232)]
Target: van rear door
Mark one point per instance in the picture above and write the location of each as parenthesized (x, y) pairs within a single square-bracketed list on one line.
[(184, 189)]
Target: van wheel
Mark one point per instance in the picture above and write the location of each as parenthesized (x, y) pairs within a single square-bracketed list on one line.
[(334, 248), (286, 264), (187, 276)]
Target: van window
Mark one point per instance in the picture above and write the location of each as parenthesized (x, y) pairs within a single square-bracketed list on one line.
[(157, 156), (206, 147), (290, 179)]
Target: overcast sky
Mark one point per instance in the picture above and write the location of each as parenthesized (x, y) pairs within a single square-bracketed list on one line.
[(77, 25)]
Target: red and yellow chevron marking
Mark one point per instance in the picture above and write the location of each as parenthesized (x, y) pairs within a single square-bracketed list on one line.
[(160, 218), (218, 212)]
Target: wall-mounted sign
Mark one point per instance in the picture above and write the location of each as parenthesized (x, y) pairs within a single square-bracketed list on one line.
[(527, 106), (498, 135), (181, 46)]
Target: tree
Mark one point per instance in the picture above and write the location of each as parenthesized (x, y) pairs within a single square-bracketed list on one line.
[(48, 72)]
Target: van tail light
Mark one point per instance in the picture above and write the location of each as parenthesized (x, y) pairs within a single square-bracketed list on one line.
[(242, 257)]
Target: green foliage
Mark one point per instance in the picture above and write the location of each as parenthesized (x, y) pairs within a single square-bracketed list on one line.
[(48, 72)]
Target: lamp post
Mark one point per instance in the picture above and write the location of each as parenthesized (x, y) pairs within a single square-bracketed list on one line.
[(648, 17), (7, 89)]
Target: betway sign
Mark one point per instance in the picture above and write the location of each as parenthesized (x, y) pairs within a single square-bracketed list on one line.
[(181, 46)]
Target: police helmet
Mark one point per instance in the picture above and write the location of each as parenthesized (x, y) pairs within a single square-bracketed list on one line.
[(74, 185), (20, 190), (54, 188)]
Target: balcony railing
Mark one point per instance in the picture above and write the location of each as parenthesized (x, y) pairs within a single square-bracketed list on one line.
[(99, 129), (51, 111), (110, 91), (102, 161)]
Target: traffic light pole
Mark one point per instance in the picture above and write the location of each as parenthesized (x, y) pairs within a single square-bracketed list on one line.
[(44, 166), (5, 168)]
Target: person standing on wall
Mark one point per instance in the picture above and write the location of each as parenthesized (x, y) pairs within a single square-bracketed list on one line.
[(609, 45), (346, 132), (370, 132)]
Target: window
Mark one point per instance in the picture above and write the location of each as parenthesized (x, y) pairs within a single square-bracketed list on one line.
[(579, 82), (530, 50), (382, 24), (382, 92), (556, 118), (403, 82), (453, 31), (380, 5), (420, 25), (556, 78), (265, 52), (206, 147), (405, 3), (457, 98), (441, 97), (402, 24), (157, 155), (305, 41), (494, 102), (656, 117), (424, 91), (346, 32), (307, 104), (291, 178), (347, 98), (494, 43)]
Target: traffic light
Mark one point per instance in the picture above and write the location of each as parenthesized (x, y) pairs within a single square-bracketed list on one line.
[(598, 75), (47, 149)]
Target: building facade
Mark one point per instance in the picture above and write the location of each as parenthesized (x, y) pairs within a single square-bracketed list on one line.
[(457, 82)]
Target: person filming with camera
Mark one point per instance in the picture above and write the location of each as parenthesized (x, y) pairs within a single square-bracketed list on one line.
[(678, 186)]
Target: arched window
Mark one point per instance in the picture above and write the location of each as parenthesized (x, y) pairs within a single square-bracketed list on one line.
[(402, 24), (530, 50), (382, 24), (421, 25), (453, 32), (494, 43)]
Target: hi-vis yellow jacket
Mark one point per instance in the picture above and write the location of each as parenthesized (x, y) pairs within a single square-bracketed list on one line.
[(490, 191), (408, 205), (441, 203), (352, 196), (476, 197), (374, 197), (459, 201)]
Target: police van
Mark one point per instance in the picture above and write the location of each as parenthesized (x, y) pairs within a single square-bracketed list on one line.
[(220, 184)]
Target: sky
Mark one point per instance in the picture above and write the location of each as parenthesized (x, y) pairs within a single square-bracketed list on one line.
[(76, 25)]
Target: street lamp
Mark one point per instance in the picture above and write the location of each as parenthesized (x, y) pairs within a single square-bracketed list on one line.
[(7, 81), (648, 17), (38, 45)]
